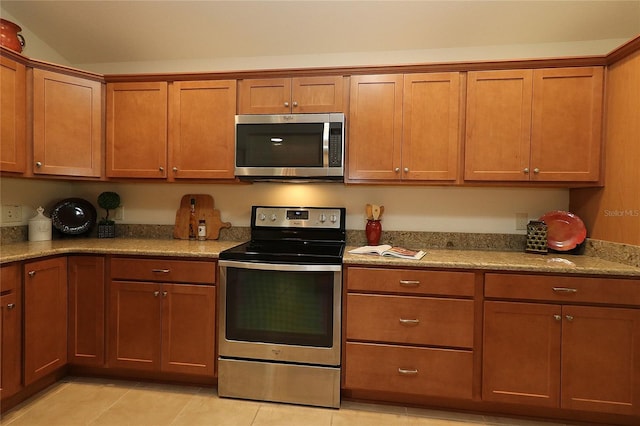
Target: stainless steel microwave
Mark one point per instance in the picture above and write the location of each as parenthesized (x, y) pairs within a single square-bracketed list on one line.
[(290, 147)]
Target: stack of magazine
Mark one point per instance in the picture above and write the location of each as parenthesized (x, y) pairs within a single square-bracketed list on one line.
[(387, 250)]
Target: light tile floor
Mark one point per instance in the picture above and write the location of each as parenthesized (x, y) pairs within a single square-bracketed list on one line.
[(89, 401)]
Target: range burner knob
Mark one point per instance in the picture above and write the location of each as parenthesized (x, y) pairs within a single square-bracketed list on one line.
[(273, 217), (334, 218), (262, 216), (323, 217)]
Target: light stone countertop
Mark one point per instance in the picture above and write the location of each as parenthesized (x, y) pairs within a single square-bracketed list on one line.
[(448, 259)]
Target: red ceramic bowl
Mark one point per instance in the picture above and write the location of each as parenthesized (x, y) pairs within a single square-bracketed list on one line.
[(564, 230)]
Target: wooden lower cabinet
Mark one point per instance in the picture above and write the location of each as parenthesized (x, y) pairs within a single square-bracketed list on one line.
[(10, 331), (86, 310), (410, 370), (410, 331), (565, 356), (45, 317), (165, 327)]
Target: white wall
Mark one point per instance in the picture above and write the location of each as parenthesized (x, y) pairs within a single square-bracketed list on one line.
[(411, 208)]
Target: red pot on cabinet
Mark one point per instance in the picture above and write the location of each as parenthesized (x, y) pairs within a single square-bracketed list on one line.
[(9, 36)]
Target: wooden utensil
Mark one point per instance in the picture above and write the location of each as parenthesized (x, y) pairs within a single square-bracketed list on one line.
[(375, 210), (369, 212), (204, 210)]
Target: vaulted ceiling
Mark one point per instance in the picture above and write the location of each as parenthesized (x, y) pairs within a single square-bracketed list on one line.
[(123, 31)]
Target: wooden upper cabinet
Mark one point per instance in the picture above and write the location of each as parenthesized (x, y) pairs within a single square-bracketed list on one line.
[(137, 129), (404, 127), (534, 125), (201, 129), (13, 116), (498, 125), (67, 125), (567, 124), (375, 127), (291, 95), (431, 126)]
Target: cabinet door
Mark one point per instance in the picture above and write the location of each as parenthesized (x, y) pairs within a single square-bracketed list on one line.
[(10, 331), (134, 325), (498, 125), (67, 125), (317, 94), (521, 353), (137, 130), (86, 310), (375, 129), (264, 96), (601, 359), (431, 117), (45, 317), (567, 124), (188, 329), (202, 132), (13, 119)]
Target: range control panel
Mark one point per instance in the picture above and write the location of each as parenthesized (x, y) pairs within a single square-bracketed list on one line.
[(298, 217)]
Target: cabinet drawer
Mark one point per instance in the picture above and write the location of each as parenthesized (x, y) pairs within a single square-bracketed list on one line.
[(9, 278), (409, 319), (563, 289), (412, 281), (421, 371), (163, 270)]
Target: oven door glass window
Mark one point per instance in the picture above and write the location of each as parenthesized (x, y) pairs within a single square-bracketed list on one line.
[(279, 145), (281, 307)]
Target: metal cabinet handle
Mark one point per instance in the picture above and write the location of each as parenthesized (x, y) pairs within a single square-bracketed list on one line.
[(161, 168), (175, 169), (397, 169), (569, 317), (407, 371), (406, 170), (11, 305), (410, 322), (565, 290), (536, 170), (156, 293), (286, 104), (409, 283), (32, 273), (38, 164), (557, 317), (526, 170), (295, 104), (164, 294), (161, 271)]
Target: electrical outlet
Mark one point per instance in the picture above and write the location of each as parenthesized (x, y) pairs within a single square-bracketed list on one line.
[(521, 221), (118, 214), (11, 213)]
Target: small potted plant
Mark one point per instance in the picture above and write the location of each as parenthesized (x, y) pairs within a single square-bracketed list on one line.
[(108, 201)]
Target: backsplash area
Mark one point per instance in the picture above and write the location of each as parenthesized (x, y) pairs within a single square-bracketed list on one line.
[(615, 252)]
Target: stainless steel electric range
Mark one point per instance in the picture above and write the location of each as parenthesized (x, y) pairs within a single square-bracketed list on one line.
[(280, 308)]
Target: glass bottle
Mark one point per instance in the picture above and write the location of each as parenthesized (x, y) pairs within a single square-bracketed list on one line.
[(193, 224)]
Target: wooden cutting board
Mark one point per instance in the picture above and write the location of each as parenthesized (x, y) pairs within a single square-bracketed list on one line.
[(204, 210)]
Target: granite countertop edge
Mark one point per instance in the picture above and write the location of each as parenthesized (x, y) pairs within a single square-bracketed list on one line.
[(435, 258)]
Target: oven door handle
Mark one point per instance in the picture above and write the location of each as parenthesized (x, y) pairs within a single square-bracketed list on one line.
[(279, 266)]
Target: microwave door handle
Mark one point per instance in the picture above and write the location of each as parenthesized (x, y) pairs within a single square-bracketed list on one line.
[(325, 144)]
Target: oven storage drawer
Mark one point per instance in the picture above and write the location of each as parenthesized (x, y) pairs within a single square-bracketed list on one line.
[(411, 281), (410, 370), (163, 270), (408, 319), (563, 289)]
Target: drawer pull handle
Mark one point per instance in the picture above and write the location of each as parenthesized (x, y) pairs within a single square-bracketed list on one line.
[(32, 273), (408, 372), (564, 290), (569, 317), (412, 322), (164, 294), (11, 305), (557, 317), (162, 271), (156, 293), (409, 283)]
